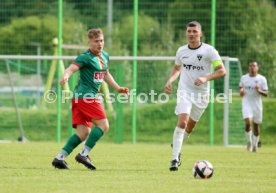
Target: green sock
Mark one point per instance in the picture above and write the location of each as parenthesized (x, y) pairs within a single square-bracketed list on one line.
[(72, 143), (93, 137)]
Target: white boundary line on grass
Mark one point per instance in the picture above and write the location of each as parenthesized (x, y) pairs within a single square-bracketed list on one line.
[(236, 146)]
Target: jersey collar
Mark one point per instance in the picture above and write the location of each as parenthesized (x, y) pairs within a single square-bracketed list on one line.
[(98, 54), (195, 48)]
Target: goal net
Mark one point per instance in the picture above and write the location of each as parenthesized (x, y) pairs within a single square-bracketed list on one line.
[(30, 74)]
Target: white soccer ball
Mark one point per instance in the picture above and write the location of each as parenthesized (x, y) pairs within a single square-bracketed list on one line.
[(203, 169)]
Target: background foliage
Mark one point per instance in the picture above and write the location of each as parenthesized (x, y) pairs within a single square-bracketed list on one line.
[(155, 124), (244, 29)]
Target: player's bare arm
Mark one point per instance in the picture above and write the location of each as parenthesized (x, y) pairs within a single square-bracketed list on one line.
[(68, 72), (174, 75), (260, 91), (219, 72), (241, 90), (108, 78)]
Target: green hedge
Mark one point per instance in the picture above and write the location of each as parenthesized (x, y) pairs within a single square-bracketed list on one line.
[(155, 123)]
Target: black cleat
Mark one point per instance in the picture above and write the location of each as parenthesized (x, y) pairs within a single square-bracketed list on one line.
[(60, 164), (85, 160), (259, 144), (179, 159), (174, 165), (254, 149)]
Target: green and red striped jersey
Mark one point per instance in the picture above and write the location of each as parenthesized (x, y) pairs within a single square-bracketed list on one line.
[(92, 68)]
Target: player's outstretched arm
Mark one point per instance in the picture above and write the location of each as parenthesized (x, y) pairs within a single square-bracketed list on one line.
[(174, 75), (108, 78), (68, 72)]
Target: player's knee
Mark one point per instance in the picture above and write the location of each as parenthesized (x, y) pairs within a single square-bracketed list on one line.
[(182, 124), (104, 127)]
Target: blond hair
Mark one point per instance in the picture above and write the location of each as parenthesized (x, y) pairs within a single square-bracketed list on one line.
[(94, 33)]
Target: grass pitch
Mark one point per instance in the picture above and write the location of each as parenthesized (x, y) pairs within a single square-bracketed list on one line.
[(127, 168)]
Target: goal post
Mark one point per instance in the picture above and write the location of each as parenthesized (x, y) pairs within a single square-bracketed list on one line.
[(233, 132)]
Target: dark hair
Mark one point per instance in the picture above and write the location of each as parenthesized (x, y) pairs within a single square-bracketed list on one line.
[(253, 62), (194, 24), (94, 33)]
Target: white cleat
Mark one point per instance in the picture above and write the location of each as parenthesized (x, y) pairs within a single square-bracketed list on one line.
[(254, 149)]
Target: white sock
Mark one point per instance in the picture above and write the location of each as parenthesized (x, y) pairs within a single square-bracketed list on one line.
[(62, 155), (178, 136), (248, 136), (186, 136), (256, 140), (85, 150)]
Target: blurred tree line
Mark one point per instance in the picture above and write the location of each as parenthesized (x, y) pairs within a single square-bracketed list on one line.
[(244, 29)]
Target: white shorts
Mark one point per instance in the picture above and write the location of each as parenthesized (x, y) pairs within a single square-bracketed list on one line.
[(185, 105), (252, 113)]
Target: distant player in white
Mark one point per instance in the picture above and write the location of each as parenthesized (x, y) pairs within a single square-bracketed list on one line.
[(252, 87), (193, 63)]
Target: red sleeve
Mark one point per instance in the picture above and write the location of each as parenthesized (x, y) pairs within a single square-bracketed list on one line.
[(76, 64)]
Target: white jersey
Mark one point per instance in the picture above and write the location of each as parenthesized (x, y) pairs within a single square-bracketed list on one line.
[(251, 98), (196, 63)]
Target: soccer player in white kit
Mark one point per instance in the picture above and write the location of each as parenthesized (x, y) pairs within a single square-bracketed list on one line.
[(193, 63), (252, 87)]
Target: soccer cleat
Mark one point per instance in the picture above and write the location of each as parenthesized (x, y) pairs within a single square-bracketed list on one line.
[(259, 144), (179, 156), (249, 146), (179, 159), (85, 160), (254, 149), (174, 165), (60, 164)]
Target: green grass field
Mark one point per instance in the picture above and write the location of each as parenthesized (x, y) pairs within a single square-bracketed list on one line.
[(128, 168)]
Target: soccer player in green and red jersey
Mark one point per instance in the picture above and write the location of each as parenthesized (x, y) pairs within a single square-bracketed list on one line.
[(86, 107)]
